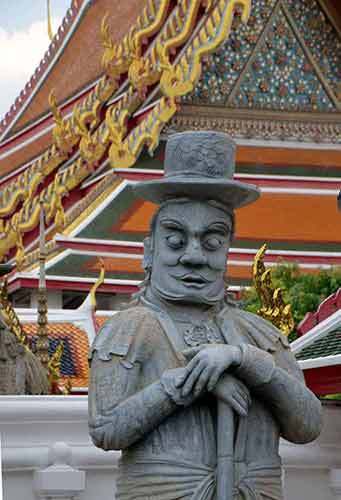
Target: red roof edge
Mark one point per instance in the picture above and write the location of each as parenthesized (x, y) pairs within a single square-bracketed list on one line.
[(328, 307), (56, 43)]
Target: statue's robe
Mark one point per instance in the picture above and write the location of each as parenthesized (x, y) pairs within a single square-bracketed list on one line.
[(169, 452)]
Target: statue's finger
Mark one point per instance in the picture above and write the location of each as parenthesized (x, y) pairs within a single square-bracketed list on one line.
[(213, 380), (192, 378), (202, 380), (190, 353), (180, 379), (192, 364), (239, 408)]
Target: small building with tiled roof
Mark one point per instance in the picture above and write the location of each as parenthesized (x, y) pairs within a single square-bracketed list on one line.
[(76, 330), (318, 349)]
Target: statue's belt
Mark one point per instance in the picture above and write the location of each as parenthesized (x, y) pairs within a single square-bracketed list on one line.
[(168, 478)]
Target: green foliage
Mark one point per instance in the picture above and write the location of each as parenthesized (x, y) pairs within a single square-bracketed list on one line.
[(304, 292), (333, 397)]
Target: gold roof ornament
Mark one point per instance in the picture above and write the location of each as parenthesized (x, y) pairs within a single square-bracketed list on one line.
[(99, 282), (10, 316), (49, 21), (54, 373), (63, 133), (179, 79), (91, 147), (273, 307), (20, 254)]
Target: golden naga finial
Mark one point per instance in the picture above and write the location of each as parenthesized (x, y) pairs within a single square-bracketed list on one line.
[(54, 372), (273, 307), (59, 218), (98, 283), (62, 134), (91, 147), (119, 153), (20, 255), (116, 58), (174, 82), (179, 79), (49, 21), (143, 71), (10, 316)]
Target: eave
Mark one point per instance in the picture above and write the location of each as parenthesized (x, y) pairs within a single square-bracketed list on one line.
[(51, 57)]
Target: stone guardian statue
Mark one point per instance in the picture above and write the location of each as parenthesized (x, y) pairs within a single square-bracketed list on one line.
[(21, 372), (193, 390)]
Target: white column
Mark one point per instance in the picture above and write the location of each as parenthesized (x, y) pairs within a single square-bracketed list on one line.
[(335, 483), (59, 481)]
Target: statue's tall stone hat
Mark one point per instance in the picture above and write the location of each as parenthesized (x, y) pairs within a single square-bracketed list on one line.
[(199, 165)]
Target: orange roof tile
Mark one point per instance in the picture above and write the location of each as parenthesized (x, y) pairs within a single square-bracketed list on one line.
[(76, 349)]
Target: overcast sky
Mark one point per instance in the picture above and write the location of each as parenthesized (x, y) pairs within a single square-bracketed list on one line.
[(23, 42)]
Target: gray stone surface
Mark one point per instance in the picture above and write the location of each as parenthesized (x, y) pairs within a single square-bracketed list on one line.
[(194, 391), (20, 370)]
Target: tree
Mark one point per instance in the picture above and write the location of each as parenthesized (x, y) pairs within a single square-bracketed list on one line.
[(304, 292)]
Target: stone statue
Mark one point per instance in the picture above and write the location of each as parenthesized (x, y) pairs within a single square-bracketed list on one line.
[(193, 390), (20, 370)]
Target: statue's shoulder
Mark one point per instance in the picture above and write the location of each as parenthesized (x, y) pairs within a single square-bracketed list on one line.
[(118, 333), (255, 329)]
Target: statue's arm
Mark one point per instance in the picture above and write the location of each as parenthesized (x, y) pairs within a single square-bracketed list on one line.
[(279, 382), (121, 412)]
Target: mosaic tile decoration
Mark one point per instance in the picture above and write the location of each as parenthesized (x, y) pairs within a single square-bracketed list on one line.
[(320, 37), (221, 69), (280, 77)]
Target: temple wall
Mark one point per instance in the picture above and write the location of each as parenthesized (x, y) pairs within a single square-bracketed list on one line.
[(34, 466)]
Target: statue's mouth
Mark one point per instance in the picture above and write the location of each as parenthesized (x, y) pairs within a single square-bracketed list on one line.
[(195, 280)]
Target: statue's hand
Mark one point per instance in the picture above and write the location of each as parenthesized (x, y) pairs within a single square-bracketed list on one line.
[(171, 381), (208, 363), (234, 393)]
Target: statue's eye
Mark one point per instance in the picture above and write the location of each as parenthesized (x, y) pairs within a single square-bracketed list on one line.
[(175, 241), (213, 242)]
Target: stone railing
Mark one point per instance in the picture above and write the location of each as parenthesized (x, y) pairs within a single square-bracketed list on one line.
[(47, 454)]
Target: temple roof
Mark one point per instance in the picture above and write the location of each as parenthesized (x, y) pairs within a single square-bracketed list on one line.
[(74, 361), (318, 349), (330, 345), (271, 83), (71, 63)]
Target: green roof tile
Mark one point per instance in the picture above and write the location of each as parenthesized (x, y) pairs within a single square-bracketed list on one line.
[(330, 345)]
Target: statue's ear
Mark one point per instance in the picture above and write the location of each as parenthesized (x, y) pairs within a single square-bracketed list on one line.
[(148, 254)]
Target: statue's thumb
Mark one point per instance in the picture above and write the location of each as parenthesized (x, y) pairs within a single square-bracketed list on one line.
[(190, 353)]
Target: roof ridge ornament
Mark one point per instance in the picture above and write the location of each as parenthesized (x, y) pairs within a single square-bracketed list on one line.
[(273, 307), (64, 136)]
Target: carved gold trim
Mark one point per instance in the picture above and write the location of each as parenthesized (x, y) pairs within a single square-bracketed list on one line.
[(180, 79), (76, 216)]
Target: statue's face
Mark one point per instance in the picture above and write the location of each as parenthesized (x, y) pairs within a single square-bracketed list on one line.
[(191, 241)]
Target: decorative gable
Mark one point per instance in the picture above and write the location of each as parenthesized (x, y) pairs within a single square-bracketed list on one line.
[(287, 58)]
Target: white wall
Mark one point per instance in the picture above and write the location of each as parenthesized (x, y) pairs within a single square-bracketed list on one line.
[(30, 425)]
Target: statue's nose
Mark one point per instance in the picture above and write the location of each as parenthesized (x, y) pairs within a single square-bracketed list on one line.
[(193, 256)]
